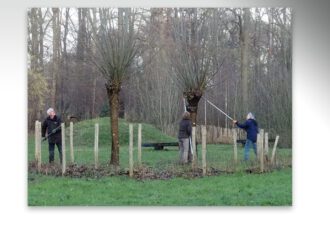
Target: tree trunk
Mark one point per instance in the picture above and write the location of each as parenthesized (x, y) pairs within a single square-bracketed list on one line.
[(93, 97), (56, 47), (244, 43), (113, 97), (193, 99), (94, 78), (33, 52), (193, 117), (65, 60), (41, 42)]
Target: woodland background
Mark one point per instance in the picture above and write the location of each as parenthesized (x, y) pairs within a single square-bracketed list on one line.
[(251, 70)]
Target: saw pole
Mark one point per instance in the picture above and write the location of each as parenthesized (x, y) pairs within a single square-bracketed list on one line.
[(218, 109)]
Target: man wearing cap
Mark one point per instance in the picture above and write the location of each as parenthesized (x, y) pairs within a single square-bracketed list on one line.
[(251, 128), (51, 123)]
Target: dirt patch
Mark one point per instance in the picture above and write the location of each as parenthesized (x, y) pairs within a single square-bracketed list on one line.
[(144, 174), (76, 171)]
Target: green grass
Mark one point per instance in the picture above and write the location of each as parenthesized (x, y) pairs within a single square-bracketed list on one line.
[(226, 190), (84, 132), (237, 189), (218, 156), (84, 141)]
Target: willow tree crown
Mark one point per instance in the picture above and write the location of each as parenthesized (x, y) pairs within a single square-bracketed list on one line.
[(194, 50), (115, 34)]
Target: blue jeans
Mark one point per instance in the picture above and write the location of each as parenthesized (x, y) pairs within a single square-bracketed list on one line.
[(247, 148), (51, 148)]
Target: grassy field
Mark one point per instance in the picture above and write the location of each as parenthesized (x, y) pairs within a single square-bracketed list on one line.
[(236, 189), (218, 156), (228, 190)]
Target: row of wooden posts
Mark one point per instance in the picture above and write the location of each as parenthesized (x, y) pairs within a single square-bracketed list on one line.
[(215, 134), (262, 149), (38, 146)]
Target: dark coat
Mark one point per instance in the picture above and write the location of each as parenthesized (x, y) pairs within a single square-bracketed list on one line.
[(50, 125), (251, 128), (184, 129)]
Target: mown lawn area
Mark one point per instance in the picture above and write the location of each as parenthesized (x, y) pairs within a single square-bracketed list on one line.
[(273, 188), (225, 190)]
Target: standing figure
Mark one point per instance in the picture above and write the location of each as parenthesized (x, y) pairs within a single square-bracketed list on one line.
[(183, 136), (251, 128), (53, 126)]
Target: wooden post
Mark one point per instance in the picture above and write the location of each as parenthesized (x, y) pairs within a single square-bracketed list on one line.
[(71, 143), (36, 153), (63, 149), (266, 145), (130, 150), (258, 146), (214, 139), (205, 112), (261, 153), (274, 150), (204, 149), (199, 133), (207, 127), (139, 146), (218, 134), (193, 140), (96, 146), (262, 132), (37, 136), (235, 147), (39, 146)]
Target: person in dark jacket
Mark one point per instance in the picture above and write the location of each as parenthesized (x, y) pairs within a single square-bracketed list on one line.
[(183, 136), (251, 128), (50, 124)]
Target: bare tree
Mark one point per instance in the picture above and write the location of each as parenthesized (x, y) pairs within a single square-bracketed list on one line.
[(193, 59), (244, 45), (180, 51), (64, 62), (37, 84), (93, 110), (56, 53), (146, 97), (116, 42)]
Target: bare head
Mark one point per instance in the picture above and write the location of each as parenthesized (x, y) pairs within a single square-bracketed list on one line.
[(51, 112), (186, 115), (249, 116)]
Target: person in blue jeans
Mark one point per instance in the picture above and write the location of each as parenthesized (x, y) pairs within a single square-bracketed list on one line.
[(251, 128)]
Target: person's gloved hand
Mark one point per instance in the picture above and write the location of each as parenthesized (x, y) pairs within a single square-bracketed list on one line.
[(234, 121), (53, 131)]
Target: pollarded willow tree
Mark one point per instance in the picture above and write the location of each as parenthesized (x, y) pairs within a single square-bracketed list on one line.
[(194, 56), (114, 32)]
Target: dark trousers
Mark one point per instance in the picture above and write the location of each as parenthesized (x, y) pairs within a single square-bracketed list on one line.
[(51, 151)]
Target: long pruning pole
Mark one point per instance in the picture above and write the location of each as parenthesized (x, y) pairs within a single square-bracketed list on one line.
[(185, 109), (218, 109)]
